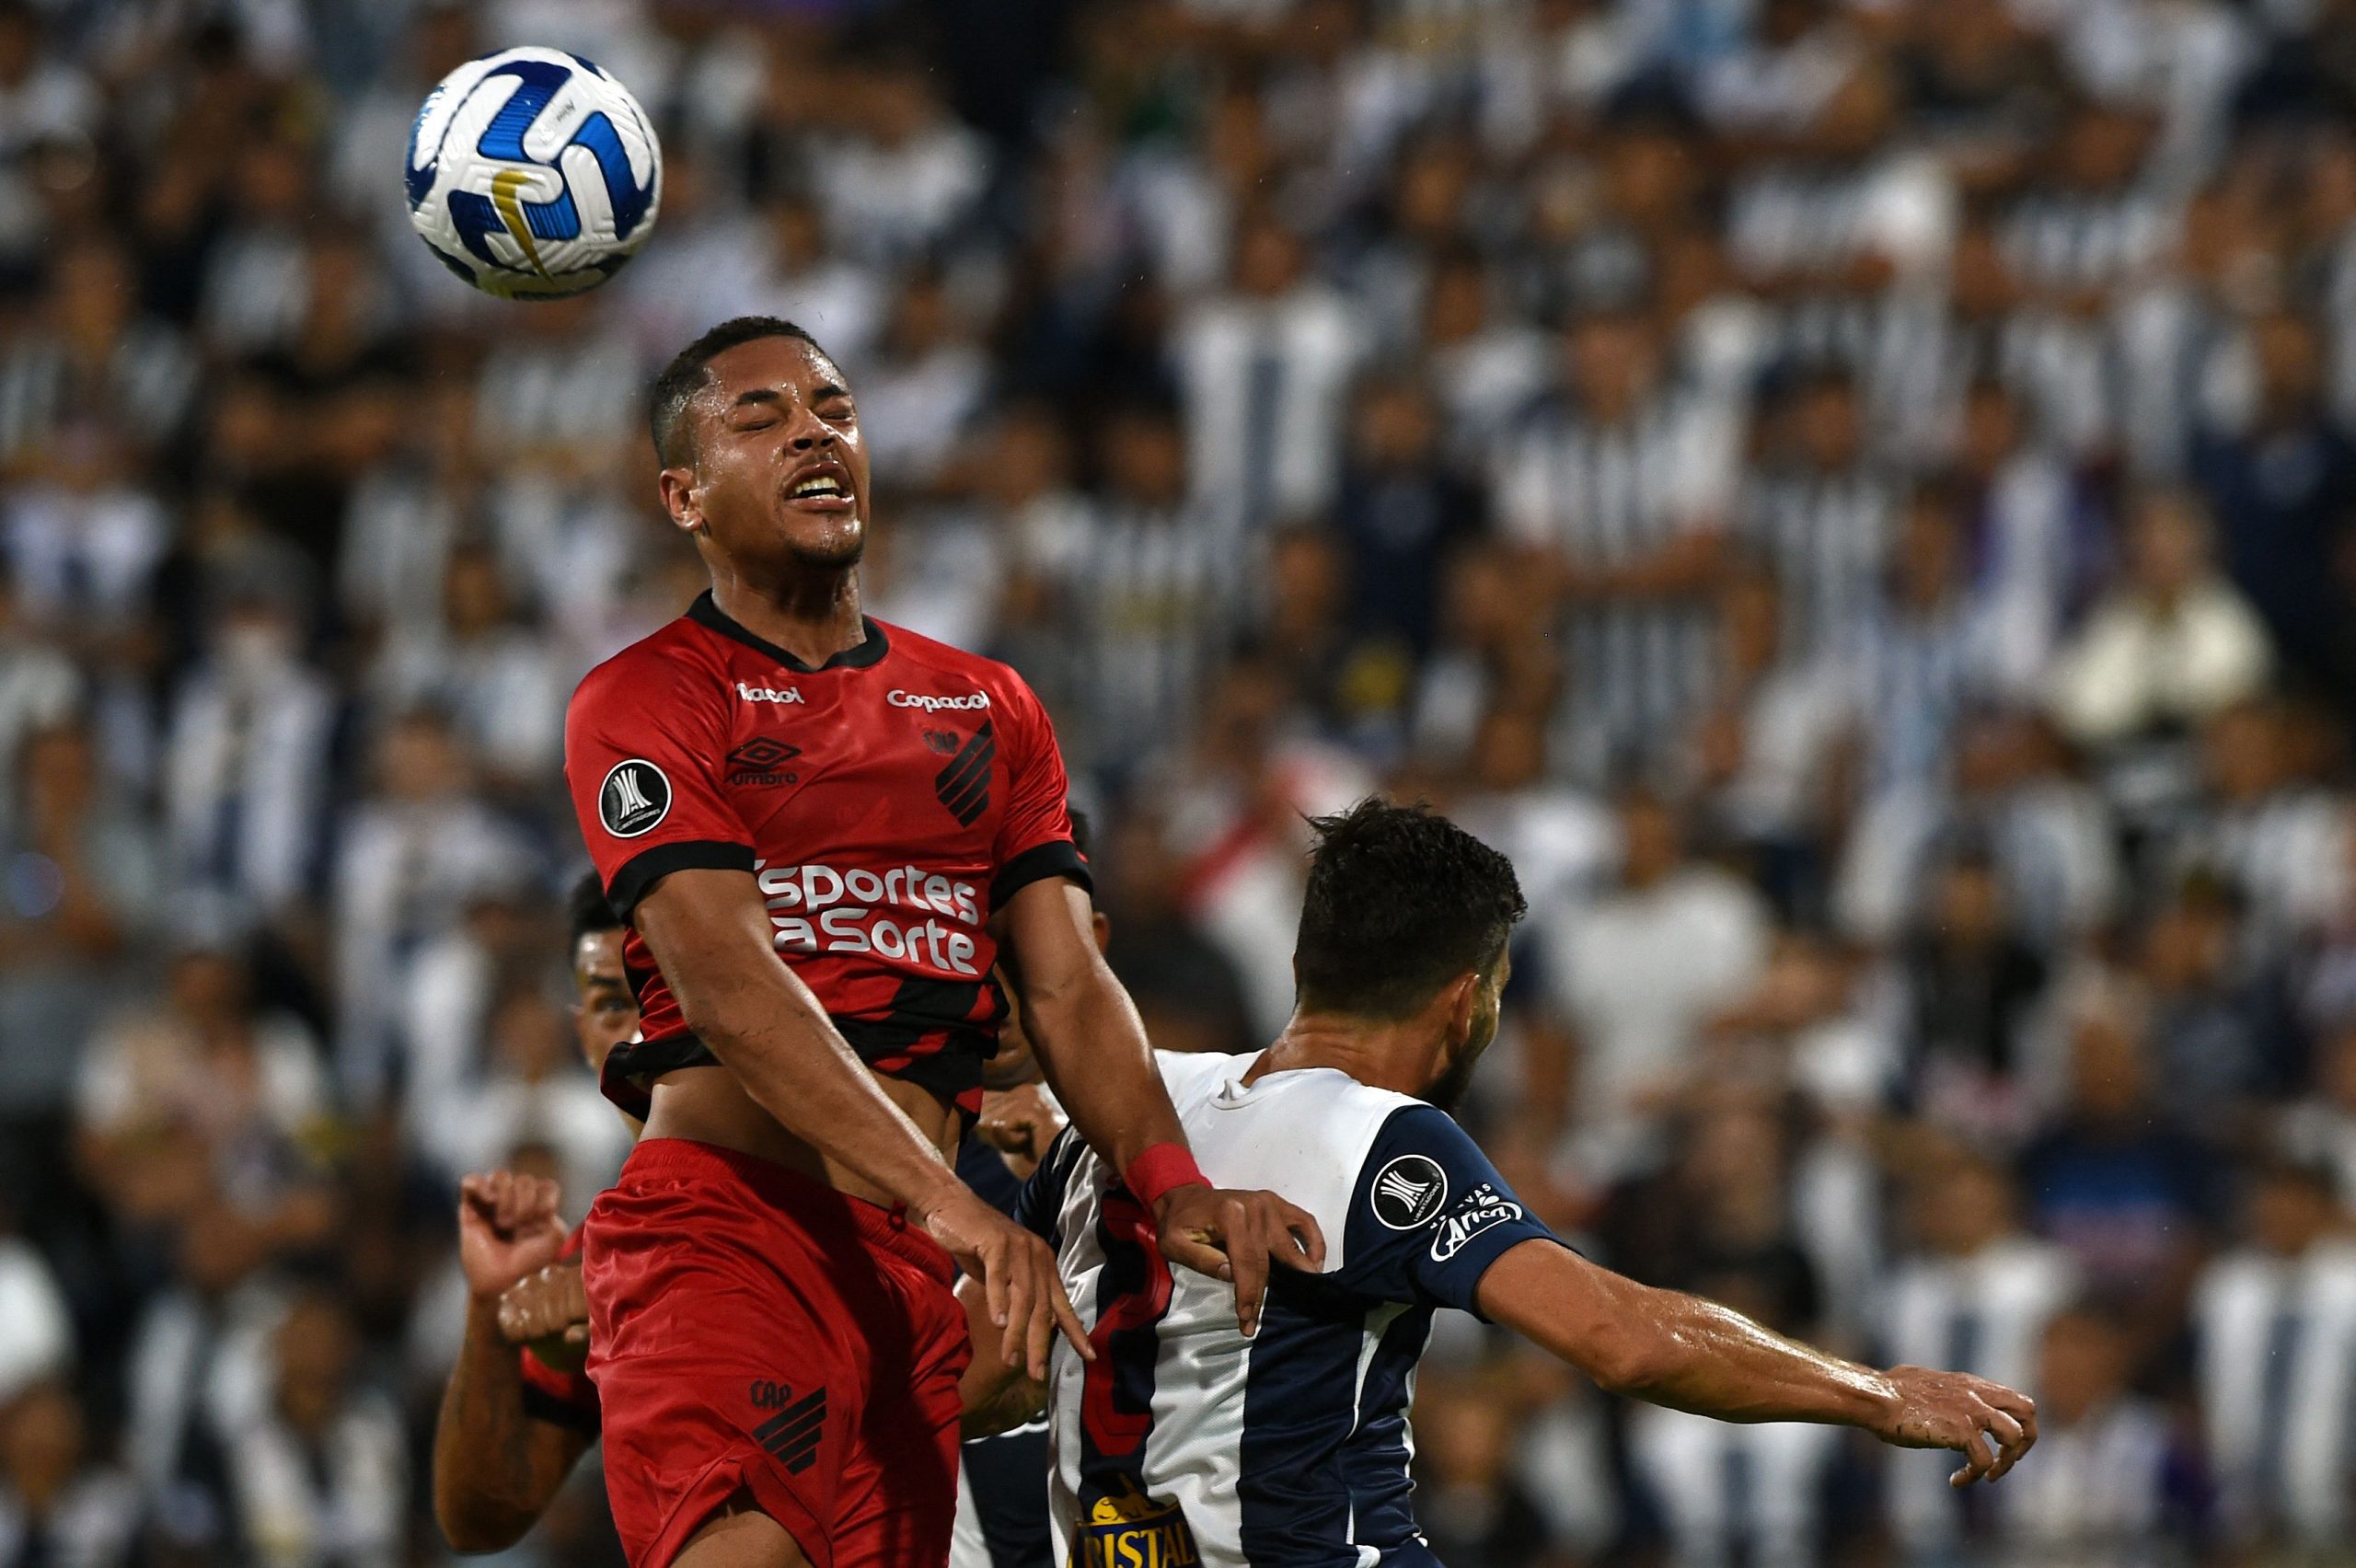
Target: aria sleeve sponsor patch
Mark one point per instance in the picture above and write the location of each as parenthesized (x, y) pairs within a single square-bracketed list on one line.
[(1409, 1190), (635, 796), (1481, 1210)]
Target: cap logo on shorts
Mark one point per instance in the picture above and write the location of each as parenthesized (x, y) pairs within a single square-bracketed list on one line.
[(1409, 1190), (635, 797)]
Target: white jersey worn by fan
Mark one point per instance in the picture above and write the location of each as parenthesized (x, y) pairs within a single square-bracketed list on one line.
[(1184, 1442)]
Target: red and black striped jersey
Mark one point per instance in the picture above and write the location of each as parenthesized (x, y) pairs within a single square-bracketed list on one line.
[(886, 801)]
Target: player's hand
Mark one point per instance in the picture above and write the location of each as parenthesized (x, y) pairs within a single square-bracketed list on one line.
[(1017, 1272), (507, 1227), (1234, 1235), (1020, 1123), (548, 1309), (1955, 1410)]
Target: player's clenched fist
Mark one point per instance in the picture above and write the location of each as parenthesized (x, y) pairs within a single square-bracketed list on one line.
[(507, 1227), (1235, 1234), (1026, 1295), (1955, 1410)]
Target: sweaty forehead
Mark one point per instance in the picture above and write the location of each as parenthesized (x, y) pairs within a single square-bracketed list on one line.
[(778, 364)]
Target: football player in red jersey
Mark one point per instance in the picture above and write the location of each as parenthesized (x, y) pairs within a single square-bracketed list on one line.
[(825, 834)]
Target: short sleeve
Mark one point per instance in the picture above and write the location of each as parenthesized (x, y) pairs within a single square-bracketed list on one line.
[(642, 763), (1035, 839), (1430, 1214)]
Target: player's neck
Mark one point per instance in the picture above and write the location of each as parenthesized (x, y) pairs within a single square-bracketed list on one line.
[(1377, 1052), (813, 615)]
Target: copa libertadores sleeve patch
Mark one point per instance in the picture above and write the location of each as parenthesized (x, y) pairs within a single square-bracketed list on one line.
[(635, 796)]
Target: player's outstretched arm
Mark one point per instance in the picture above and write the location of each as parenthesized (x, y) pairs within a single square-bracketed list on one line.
[(1091, 1045), (709, 931), (1687, 1354), (496, 1467)]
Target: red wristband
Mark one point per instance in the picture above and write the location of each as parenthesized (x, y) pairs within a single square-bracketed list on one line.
[(1163, 1166)]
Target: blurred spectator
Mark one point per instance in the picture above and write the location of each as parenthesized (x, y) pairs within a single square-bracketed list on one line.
[(82, 882), (2280, 485), (318, 1474), (1977, 1295), (1617, 488), (1822, 514), (1403, 505), (2115, 1483), (2116, 1180), (2169, 646), (92, 356), (2275, 1319), (1637, 973), (922, 386), (57, 1503), (1974, 986), (1264, 369), (489, 667), (246, 755), (408, 855)]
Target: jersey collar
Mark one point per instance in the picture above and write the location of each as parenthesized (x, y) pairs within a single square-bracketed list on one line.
[(705, 613)]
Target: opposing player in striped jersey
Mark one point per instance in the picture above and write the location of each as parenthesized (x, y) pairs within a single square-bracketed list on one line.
[(1184, 1440)]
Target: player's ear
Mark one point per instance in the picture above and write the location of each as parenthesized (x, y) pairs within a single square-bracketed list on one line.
[(681, 502), (1100, 925), (1462, 997)]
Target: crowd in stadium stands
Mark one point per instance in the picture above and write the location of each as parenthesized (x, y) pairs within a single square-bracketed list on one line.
[(1856, 497)]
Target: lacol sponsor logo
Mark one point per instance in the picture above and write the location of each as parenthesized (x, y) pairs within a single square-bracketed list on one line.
[(751, 693), (971, 702), (822, 909)]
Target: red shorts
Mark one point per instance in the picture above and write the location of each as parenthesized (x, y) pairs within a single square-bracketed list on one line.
[(757, 1332)]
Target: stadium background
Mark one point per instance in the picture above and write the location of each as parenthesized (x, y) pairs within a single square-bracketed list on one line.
[(1853, 495)]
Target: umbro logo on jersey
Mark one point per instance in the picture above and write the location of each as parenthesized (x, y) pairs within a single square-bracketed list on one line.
[(964, 785), (1409, 1190), (791, 1434), (751, 693), (635, 797), (762, 760)]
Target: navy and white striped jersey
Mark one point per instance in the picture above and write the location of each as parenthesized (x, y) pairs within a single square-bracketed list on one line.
[(1184, 1441)]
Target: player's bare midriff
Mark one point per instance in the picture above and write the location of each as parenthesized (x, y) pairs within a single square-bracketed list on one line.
[(708, 1105)]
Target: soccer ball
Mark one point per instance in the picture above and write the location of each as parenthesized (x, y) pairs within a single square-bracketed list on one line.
[(533, 174)]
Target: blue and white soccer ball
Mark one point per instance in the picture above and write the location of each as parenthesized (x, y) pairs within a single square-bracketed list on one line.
[(533, 174)]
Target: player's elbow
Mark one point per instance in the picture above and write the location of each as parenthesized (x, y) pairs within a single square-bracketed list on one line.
[(1630, 1352), (473, 1522)]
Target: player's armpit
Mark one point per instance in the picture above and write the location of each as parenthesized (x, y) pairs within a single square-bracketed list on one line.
[(996, 1395)]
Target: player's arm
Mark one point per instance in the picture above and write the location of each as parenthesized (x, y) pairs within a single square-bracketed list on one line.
[(1687, 1354), (710, 932), (496, 1466), (1091, 1046)]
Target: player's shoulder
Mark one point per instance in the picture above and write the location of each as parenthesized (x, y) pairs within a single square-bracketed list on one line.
[(915, 656), (675, 659)]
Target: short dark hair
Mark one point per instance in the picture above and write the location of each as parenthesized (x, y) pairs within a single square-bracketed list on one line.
[(667, 399), (589, 909), (1399, 902)]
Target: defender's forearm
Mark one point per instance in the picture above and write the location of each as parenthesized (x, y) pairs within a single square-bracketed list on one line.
[(1711, 1360), (495, 1467), (1673, 1349)]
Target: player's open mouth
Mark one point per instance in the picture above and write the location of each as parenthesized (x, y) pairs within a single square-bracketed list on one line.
[(825, 487)]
